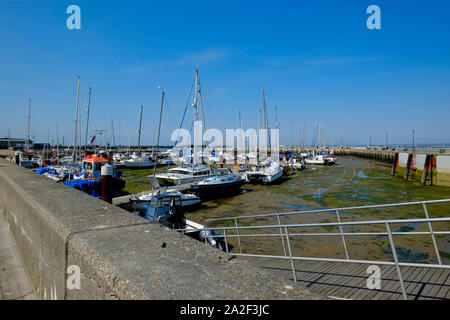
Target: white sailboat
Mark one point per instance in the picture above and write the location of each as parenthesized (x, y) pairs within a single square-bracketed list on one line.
[(138, 160), (269, 170), (188, 173)]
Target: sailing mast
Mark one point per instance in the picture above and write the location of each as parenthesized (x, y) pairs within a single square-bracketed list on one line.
[(240, 127), (159, 131), (87, 120), (118, 142), (276, 118), (139, 131), (75, 133), (265, 119), (112, 128), (27, 143), (57, 141), (194, 103)]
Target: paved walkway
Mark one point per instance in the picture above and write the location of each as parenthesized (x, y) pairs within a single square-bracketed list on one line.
[(14, 284)]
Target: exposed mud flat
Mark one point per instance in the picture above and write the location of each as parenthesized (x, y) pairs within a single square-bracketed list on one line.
[(352, 182)]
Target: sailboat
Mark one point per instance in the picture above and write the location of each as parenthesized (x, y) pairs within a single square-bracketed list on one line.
[(28, 158), (84, 175), (166, 207), (188, 173), (139, 160), (268, 170), (320, 158)]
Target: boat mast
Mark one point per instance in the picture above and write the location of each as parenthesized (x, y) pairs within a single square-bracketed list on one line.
[(57, 141), (264, 110), (201, 103), (159, 131), (276, 118), (304, 136), (118, 140), (240, 127), (87, 120), (75, 134), (194, 103), (128, 141), (28, 125), (112, 128), (265, 119), (140, 127)]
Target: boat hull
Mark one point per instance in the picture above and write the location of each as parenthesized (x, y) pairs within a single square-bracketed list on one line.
[(217, 190), (93, 186)]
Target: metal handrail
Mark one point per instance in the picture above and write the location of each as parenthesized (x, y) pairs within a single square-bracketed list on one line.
[(326, 210), (308, 225), (287, 249)]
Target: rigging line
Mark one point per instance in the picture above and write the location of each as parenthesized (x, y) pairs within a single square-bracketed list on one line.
[(182, 120)]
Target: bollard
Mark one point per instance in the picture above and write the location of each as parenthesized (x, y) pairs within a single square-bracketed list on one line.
[(107, 172), (17, 157), (425, 170), (408, 166), (394, 164)]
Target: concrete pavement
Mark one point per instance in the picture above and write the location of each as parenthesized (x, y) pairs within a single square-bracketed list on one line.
[(14, 284)]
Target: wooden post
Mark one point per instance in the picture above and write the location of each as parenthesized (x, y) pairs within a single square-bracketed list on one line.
[(425, 170), (107, 171), (394, 165), (408, 166), (432, 161)]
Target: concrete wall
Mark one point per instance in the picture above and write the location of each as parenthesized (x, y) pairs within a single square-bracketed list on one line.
[(443, 170), (120, 255)]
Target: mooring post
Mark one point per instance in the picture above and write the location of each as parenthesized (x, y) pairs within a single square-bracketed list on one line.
[(107, 172), (17, 157), (408, 166), (425, 170), (394, 165)]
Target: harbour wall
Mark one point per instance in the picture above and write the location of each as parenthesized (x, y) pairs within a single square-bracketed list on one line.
[(429, 169), (59, 231)]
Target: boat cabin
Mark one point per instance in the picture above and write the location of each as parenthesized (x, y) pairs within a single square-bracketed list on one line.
[(92, 164)]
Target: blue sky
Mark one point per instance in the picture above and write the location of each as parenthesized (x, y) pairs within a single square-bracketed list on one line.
[(316, 60)]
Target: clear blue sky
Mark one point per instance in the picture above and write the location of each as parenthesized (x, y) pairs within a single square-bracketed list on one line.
[(316, 60)]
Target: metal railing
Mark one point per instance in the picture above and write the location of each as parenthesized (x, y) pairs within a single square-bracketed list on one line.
[(285, 233)]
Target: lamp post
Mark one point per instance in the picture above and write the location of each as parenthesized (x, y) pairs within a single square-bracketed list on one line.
[(387, 146)]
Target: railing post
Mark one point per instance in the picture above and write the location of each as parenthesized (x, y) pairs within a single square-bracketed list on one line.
[(281, 234), (342, 234), (239, 236), (394, 253), (290, 254), (432, 234), (226, 242)]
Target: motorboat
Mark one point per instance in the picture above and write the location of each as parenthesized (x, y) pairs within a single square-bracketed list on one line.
[(265, 172), (218, 185), (167, 209), (320, 159), (182, 175), (297, 164), (187, 199), (86, 178), (139, 161)]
